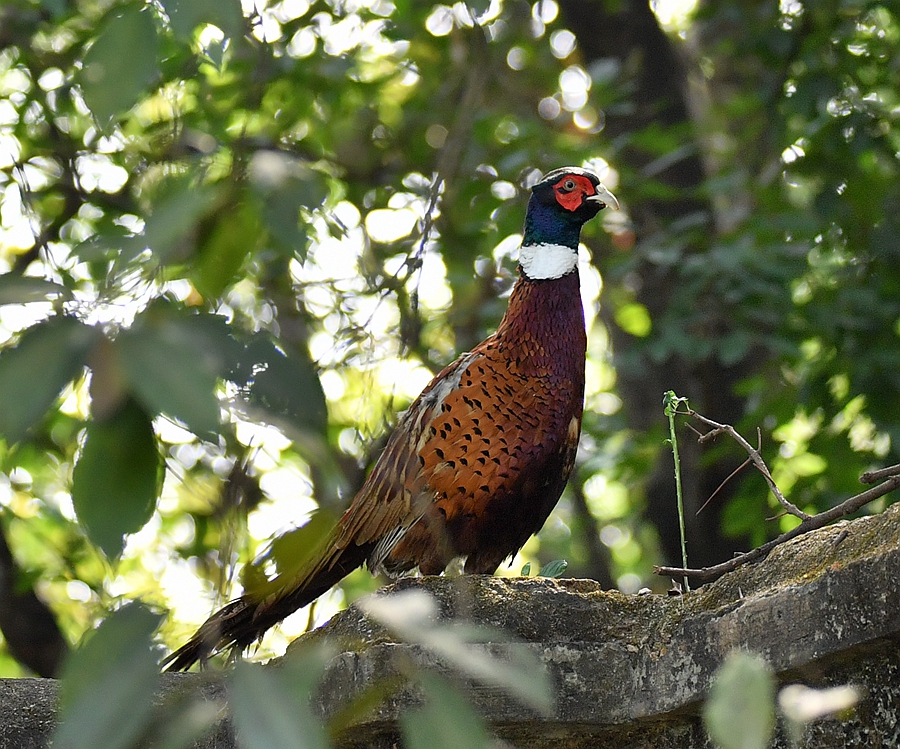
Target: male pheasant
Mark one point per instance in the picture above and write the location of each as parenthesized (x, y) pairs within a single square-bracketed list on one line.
[(478, 461)]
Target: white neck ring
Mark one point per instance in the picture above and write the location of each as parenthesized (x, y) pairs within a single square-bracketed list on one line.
[(542, 262)]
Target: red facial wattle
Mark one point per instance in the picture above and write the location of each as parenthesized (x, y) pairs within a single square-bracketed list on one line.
[(571, 190)]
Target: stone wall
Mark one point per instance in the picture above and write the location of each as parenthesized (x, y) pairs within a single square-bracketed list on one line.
[(630, 671)]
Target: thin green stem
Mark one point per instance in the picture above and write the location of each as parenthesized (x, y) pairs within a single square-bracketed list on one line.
[(671, 402)]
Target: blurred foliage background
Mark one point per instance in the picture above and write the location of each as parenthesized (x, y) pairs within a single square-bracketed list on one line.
[(236, 238)]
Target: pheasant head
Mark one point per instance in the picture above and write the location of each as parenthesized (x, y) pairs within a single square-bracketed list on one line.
[(561, 202)]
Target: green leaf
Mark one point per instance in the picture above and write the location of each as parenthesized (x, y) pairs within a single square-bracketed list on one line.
[(801, 704), (556, 568), (806, 464), (363, 704), (56, 8), (107, 688), (172, 363), (116, 479), (169, 229), (526, 569), (105, 246), (281, 211), (32, 374), (672, 402), (186, 15), (285, 185), (122, 62), (16, 289), (413, 614), (236, 234), (734, 347), (270, 706), (634, 319), (290, 552), (286, 387), (740, 711), (108, 388), (186, 720), (445, 721)]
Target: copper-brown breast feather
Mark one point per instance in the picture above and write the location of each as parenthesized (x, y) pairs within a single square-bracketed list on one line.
[(463, 444), (490, 454), (492, 426), (481, 437)]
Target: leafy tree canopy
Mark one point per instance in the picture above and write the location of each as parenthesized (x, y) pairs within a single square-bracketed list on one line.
[(236, 238)]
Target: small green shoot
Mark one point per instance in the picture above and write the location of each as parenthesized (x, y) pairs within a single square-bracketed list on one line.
[(671, 402), (553, 569)]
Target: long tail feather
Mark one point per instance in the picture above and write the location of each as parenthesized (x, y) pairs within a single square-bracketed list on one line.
[(241, 622)]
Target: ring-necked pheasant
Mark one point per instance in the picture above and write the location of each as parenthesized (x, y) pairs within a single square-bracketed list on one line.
[(479, 460)]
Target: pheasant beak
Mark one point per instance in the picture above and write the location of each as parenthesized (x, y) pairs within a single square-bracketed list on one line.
[(605, 197)]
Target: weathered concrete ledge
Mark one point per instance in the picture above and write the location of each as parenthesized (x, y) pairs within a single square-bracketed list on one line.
[(630, 671)]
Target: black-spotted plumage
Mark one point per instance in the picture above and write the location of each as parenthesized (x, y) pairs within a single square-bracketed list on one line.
[(479, 460)]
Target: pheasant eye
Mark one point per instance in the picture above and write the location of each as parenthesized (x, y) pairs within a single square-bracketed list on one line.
[(569, 184)]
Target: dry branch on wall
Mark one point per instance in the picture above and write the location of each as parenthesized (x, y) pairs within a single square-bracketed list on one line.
[(886, 480)]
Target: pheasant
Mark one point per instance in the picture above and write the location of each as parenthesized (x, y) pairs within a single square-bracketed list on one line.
[(479, 460)]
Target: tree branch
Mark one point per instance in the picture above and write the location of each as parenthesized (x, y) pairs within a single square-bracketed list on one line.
[(873, 477), (755, 458), (809, 522), (813, 522)]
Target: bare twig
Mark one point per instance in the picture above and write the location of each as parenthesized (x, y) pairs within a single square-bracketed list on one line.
[(731, 475), (811, 523), (890, 475), (457, 139), (873, 477), (447, 166), (755, 457)]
